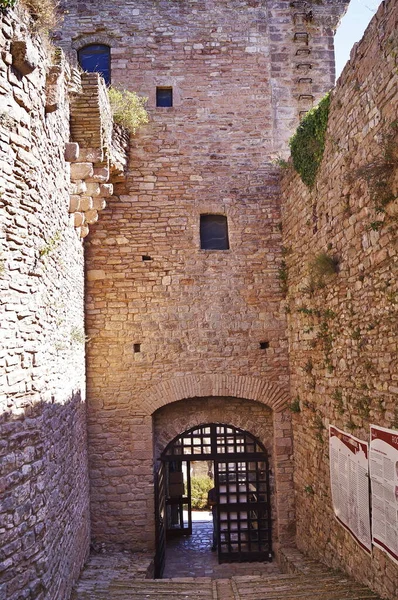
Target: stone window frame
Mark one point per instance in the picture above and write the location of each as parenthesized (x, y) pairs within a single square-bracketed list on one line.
[(164, 82)]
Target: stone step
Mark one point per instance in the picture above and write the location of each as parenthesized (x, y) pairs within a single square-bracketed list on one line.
[(122, 577), (283, 587), (223, 590)]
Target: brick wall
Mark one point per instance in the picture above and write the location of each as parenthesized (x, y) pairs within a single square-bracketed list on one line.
[(342, 338), (44, 515)]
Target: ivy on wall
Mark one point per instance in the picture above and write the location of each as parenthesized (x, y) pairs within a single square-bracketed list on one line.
[(308, 143)]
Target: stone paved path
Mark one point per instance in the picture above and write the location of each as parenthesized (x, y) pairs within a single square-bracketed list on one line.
[(190, 556), (192, 573)]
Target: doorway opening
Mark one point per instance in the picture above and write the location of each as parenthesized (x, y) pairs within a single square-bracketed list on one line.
[(238, 463)]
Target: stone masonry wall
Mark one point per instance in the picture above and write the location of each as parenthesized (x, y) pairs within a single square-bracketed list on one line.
[(159, 309), (276, 56), (343, 336), (44, 496)]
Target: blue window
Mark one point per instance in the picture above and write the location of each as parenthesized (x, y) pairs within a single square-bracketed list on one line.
[(214, 232), (164, 96), (96, 58)]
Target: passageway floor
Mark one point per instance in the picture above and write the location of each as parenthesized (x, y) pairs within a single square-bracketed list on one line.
[(193, 573), (191, 556)]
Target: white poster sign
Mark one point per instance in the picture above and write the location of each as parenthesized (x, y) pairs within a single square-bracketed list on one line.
[(349, 476), (384, 482)]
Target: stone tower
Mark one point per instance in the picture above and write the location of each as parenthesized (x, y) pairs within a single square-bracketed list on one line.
[(183, 335)]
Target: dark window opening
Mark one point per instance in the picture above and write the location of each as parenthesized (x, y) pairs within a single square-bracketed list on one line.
[(137, 348), (214, 232), (164, 96), (264, 345), (146, 257), (96, 58)]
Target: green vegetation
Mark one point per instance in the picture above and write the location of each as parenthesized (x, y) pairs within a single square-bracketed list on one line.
[(363, 407), (309, 366), (78, 336), (51, 245), (5, 4), (128, 109), (323, 265), (379, 174), (339, 403), (200, 486), (308, 143), (294, 406), (283, 277), (318, 427)]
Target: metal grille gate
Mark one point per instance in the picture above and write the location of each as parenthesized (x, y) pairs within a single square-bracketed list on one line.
[(241, 474)]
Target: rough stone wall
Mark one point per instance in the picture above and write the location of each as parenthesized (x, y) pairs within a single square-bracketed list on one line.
[(44, 505), (159, 308), (343, 336)]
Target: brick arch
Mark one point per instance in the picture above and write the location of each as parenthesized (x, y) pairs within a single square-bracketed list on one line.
[(196, 386), (93, 38)]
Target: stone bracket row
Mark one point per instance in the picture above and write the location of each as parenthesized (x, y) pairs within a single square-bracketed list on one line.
[(89, 187)]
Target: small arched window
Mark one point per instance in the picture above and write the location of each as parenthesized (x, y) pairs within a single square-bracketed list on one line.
[(96, 58), (214, 232)]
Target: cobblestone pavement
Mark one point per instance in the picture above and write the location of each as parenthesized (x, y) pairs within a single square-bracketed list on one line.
[(121, 576), (191, 556)]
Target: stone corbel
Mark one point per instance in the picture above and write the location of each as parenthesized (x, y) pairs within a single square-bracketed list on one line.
[(53, 88), (25, 57), (88, 186)]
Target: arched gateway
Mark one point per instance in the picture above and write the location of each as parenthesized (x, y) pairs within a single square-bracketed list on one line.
[(241, 480)]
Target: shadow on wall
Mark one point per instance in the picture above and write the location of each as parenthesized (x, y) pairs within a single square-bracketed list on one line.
[(44, 507)]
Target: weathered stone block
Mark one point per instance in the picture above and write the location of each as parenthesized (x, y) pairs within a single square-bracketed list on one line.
[(86, 203), (93, 189), (99, 203), (91, 216), (93, 155), (84, 231), (78, 187), (80, 171), (100, 174), (78, 219), (53, 88), (25, 57), (94, 274), (106, 190), (72, 151), (74, 204)]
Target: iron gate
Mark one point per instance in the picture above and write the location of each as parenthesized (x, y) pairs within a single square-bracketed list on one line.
[(160, 516), (241, 475)]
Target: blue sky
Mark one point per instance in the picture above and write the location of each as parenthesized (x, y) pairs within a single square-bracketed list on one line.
[(351, 29)]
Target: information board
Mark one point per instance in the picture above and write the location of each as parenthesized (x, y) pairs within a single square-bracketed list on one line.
[(384, 483), (349, 476)]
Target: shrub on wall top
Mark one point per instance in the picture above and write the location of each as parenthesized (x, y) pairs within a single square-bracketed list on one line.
[(308, 143), (128, 108), (43, 12)]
